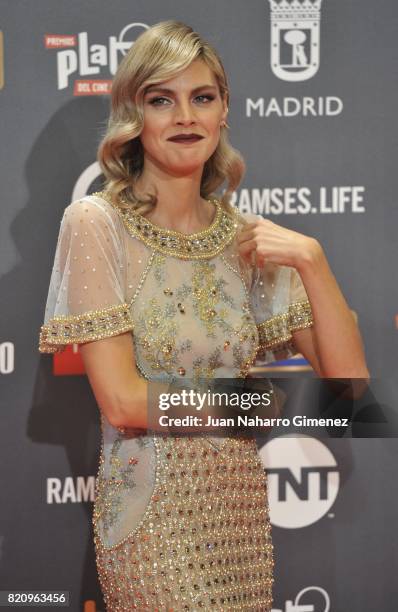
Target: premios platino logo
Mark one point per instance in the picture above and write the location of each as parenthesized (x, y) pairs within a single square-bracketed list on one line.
[(295, 38), (87, 65)]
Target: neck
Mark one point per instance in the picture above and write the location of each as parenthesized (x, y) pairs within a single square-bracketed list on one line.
[(179, 204)]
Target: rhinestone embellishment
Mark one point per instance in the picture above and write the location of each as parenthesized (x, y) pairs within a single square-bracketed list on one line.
[(200, 245)]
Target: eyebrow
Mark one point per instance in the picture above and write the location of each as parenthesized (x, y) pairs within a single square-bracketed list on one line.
[(166, 90)]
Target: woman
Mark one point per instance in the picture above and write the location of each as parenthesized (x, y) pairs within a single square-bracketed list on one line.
[(154, 278)]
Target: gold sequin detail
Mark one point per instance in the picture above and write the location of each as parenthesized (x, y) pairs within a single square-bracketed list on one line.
[(109, 491), (156, 333), (278, 330), (204, 541), (92, 325), (251, 327), (199, 245), (204, 298)]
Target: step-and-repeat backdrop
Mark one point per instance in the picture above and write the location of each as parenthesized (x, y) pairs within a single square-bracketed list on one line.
[(314, 96)]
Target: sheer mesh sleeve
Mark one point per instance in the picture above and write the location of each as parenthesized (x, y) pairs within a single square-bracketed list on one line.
[(280, 306), (86, 298)]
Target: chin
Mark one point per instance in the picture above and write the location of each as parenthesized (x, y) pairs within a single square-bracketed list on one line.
[(184, 169)]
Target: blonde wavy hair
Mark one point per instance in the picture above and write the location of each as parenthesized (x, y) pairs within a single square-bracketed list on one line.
[(157, 55)]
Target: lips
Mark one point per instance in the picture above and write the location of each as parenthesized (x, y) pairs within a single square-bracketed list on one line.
[(186, 138)]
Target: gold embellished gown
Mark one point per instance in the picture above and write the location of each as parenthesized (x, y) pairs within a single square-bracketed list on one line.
[(180, 523)]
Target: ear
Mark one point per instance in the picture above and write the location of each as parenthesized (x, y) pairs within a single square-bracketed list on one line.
[(225, 108)]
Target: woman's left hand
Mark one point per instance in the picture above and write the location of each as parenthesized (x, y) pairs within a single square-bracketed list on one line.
[(265, 241)]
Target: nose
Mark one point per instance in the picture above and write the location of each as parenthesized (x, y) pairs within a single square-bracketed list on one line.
[(184, 114)]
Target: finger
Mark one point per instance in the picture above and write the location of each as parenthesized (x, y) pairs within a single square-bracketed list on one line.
[(246, 233), (248, 258), (252, 259), (243, 237), (260, 261), (249, 226), (247, 246)]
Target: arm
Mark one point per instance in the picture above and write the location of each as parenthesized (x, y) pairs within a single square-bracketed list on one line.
[(333, 346), (120, 393), (86, 305), (305, 342)]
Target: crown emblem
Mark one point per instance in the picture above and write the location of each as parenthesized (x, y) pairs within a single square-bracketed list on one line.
[(295, 38), (292, 6)]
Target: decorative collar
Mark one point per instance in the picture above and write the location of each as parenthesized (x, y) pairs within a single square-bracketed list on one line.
[(201, 245)]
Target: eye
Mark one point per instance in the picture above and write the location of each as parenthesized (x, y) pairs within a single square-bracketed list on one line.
[(158, 101), (206, 96), (154, 101)]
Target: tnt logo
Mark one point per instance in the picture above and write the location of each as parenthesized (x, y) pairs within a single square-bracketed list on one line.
[(303, 480)]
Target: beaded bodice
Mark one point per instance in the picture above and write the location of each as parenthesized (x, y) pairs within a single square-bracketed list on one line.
[(198, 324), (189, 306), (108, 262)]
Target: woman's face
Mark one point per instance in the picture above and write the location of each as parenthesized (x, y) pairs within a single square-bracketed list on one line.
[(189, 103)]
